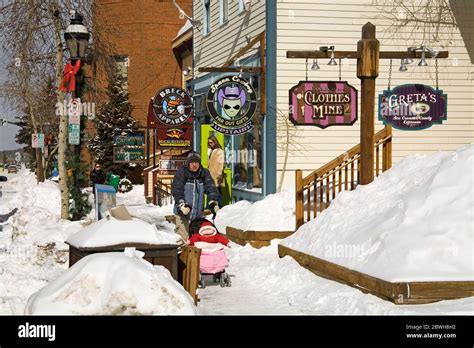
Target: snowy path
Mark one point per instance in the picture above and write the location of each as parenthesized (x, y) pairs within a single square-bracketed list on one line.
[(264, 284)]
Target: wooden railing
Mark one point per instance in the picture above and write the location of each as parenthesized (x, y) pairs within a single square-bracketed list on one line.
[(315, 192), (188, 270), (162, 189)]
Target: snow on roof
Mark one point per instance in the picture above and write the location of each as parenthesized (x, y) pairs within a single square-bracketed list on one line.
[(413, 223), (113, 232), (111, 284), (275, 212), (184, 28)]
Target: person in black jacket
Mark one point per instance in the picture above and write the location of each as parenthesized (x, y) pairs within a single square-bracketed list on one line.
[(190, 183), (97, 176)]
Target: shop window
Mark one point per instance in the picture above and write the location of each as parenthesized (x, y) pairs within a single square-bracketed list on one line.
[(207, 16), (248, 164), (248, 170), (223, 11), (241, 6)]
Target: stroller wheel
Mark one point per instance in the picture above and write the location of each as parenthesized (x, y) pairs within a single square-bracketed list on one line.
[(228, 283), (201, 284)]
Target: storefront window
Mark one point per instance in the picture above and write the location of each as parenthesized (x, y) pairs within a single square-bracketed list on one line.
[(248, 166), (248, 173)]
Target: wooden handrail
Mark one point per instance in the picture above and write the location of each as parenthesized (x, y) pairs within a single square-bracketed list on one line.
[(382, 134), (163, 189), (326, 175)]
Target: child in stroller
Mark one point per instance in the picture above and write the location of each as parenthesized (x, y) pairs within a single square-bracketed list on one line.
[(204, 235)]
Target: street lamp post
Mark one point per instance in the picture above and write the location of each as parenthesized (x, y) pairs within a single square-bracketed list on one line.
[(77, 39)]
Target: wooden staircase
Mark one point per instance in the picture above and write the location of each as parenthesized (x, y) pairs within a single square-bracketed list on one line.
[(315, 192)]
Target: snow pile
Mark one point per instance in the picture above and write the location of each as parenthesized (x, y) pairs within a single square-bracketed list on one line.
[(111, 231), (134, 197), (45, 195), (275, 212), (112, 284), (37, 222), (413, 223), (264, 284)]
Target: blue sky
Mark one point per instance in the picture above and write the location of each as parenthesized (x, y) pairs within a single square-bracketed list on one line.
[(7, 134)]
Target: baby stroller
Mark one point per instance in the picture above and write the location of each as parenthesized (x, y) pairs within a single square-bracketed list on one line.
[(213, 261)]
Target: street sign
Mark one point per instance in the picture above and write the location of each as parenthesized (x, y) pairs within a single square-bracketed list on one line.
[(74, 134), (37, 140), (74, 111)]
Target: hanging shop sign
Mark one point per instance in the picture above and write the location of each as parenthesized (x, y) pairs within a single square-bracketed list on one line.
[(323, 104), (37, 140), (413, 107), (177, 137), (125, 154), (171, 106), (231, 103), (168, 165), (125, 137)]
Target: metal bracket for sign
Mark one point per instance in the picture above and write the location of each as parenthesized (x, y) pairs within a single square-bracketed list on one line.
[(257, 70)]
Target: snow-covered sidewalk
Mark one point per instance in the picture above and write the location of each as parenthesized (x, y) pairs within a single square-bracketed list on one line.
[(264, 284)]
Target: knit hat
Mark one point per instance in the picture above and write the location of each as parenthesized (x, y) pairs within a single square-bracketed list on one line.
[(193, 157), (207, 229)]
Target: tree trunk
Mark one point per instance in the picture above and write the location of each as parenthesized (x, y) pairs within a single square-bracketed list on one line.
[(39, 165), (63, 122)]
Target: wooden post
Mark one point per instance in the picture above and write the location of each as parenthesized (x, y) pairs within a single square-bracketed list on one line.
[(368, 49), (263, 78), (299, 204), (387, 150), (154, 146), (148, 147)]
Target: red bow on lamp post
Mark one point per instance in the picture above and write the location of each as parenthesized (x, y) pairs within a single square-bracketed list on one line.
[(70, 73)]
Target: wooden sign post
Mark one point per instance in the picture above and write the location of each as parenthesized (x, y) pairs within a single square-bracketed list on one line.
[(368, 55)]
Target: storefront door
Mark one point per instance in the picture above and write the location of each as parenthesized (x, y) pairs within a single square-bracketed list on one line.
[(206, 132)]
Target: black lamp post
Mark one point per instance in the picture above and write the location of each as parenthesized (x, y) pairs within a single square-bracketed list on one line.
[(77, 39)]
